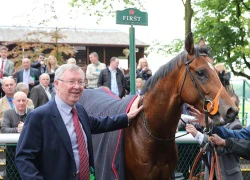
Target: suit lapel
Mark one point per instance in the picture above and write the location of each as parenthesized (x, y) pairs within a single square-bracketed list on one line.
[(60, 127)]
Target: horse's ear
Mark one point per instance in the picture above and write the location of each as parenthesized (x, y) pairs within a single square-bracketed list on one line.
[(189, 43), (202, 43)]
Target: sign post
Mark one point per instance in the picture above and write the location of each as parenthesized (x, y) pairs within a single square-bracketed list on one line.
[(132, 16)]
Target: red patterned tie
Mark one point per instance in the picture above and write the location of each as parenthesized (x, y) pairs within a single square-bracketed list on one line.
[(1, 74), (84, 160)]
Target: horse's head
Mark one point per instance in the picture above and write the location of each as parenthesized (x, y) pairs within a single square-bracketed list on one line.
[(201, 79)]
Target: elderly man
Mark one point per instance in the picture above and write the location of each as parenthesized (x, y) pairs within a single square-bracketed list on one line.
[(6, 103), (40, 94), (6, 66), (13, 121), (28, 75), (55, 142), (93, 70)]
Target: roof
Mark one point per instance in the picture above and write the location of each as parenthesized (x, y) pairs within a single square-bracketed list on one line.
[(72, 36)]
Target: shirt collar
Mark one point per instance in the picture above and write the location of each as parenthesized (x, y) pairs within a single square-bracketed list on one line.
[(20, 114), (45, 88), (62, 105), (3, 59)]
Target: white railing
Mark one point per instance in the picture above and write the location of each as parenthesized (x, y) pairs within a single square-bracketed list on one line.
[(13, 138)]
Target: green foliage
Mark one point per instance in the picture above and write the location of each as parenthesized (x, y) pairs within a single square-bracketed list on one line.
[(166, 49), (225, 26)]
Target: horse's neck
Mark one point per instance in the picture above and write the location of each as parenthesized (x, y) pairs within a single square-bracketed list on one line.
[(162, 111)]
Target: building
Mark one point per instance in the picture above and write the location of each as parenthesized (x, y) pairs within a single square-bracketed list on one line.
[(106, 43)]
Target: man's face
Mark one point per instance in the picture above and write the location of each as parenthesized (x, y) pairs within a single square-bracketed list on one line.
[(3, 54), (93, 59), (115, 63), (44, 80), (9, 86), (20, 102), (70, 94), (26, 63)]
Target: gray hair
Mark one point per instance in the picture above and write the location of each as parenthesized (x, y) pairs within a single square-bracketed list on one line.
[(67, 67), (94, 54), (21, 87), (19, 93), (43, 75), (7, 78)]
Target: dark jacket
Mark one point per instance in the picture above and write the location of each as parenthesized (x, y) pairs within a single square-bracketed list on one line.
[(143, 74), (105, 80), (44, 149), (240, 147), (34, 73), (37, 65)]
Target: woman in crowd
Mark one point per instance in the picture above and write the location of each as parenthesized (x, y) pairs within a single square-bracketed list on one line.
[(51, 68), (143, 70)]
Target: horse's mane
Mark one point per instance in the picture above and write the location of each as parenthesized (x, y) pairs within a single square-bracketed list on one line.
[(170, 66)]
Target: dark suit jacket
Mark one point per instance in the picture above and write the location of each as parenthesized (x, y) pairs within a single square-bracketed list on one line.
[(44, 149), (33, 73), (38, 96)]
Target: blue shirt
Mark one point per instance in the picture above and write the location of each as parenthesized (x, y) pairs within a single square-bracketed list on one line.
[(10, 101), (65, 112)]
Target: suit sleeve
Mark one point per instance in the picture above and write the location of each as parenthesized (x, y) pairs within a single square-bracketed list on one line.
[(109, 123), (100, 80), (34, 96), (225, 133), (240, 147), (7, 127), (11, 69), (29, 147)]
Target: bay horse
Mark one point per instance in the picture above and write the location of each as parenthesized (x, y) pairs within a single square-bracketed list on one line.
[(147, 146)]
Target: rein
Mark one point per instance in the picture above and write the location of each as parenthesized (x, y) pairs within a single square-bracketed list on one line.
[(145, 125), (214, 162)]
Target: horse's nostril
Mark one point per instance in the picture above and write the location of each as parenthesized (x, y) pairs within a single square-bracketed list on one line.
[(231, 113)]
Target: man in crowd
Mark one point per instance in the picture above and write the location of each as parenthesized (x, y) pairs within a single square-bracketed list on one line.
[(40, 63), (113, 78), (13, 121), (225, 167), (40, 94), (6, 67), (28, 75), (93, 70), (6, 102), (55, 142)]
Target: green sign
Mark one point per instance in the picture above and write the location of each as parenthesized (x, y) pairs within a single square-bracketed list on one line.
[(132, 16)]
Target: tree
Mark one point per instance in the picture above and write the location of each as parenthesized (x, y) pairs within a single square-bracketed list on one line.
[(31, 46), (225, 25)]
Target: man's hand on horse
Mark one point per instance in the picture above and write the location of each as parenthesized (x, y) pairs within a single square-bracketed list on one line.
[(134, 109)]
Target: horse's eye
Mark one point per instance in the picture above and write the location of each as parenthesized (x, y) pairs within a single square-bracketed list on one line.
[(201, 74)]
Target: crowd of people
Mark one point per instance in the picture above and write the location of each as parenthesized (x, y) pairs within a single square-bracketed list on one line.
[(46, 94)]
